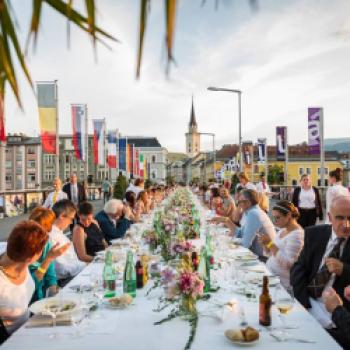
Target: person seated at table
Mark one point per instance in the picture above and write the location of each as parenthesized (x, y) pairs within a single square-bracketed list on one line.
[(143, 203), (130, 201), (87, 236), (245, 183), (137, 186), (255, 222), (285, 249), (340, 315), (228, 205), (67, 265), (24, 247), (215, 200), (43, 270), (114, 219), (324, 262)]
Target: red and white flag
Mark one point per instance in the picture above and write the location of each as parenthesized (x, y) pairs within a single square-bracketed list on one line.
[(99, 141), (112, 148)]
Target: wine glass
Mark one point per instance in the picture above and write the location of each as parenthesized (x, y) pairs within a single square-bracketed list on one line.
[(284, 304)]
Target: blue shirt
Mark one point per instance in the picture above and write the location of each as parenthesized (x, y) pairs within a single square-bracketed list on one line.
[(255, 221)]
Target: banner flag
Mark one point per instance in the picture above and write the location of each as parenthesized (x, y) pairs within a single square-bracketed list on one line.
[(79, 115), (46, 95), (112, 149), (262, 151), (99, 141), (141, 166), (314, 130), (247, 153), (281, 145), (136, 171), (131, 159), (122, 153)]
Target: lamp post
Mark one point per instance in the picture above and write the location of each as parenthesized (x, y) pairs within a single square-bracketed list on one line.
[(214, 155), (239, 92)]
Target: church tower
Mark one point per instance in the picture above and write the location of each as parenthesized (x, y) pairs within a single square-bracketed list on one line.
[(192, 136)]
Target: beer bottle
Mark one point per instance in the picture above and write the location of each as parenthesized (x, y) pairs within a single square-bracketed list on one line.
[(109, 276), (139, 274), (129, 282), (265, 304)]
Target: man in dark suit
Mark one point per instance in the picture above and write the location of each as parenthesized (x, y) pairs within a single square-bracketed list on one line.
[(114, 219), (324, 262), (74, 190)]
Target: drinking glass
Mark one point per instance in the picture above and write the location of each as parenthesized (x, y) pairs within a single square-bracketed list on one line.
[(284, 304)]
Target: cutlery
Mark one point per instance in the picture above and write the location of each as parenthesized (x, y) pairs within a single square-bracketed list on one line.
[(297, 340)]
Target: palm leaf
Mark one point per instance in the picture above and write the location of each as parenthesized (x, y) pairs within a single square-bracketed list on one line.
[(170, 9), (143, 22), (34, 23), (69, 8)]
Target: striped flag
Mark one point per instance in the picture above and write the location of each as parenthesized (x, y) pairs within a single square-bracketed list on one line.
[(46, 95), (99, 141), (136, 170), (122, 154), (141, 169), (131, 159), (112, 149), (79, 122)]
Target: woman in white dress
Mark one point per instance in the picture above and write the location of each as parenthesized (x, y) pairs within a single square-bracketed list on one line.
[(335, 189), (284, 250)]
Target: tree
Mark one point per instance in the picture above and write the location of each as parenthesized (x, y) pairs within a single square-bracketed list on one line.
[(120, 187), (275, 176), (234, 182), (148, 184)]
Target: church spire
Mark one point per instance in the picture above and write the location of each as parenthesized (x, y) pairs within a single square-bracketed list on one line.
[(193, 122)]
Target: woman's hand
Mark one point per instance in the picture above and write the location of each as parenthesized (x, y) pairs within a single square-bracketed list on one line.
[(57, 251)]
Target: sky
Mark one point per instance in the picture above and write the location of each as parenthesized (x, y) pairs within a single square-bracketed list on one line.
[(285, 56)]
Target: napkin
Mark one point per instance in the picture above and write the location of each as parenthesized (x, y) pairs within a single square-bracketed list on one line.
[(47, 321)]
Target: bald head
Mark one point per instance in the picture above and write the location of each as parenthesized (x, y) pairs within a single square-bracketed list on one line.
[(339, 216)]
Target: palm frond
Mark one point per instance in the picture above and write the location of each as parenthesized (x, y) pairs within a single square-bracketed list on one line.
[(34, 23), (170, 8), (143, 22)]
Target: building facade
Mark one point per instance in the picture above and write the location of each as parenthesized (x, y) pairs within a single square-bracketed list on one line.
[(22, 162)]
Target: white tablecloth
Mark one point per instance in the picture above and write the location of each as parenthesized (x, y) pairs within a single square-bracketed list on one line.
[(133, 328)]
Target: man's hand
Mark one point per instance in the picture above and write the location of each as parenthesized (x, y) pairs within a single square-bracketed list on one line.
[(331, 299), (57, 251), (347, 293), (334, 266)]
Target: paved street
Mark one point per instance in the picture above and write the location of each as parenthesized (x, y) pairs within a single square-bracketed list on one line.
[(7, 224)]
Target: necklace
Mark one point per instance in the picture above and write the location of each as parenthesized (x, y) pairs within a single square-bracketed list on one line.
[(8, 275)]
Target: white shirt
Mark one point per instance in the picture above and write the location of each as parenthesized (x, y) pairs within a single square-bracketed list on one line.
[(289, 248), (307, 199), (318, 309), (334, 191), (49, 199), (250, 186), (260, 187), (74, 192), (14, 301), (134, 189), (68, 264)]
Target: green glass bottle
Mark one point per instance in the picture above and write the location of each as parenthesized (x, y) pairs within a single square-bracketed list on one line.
[(208, 245), (204, 269), (109, 276), (129, 282)]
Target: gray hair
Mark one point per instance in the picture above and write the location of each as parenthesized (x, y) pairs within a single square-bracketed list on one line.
[(251, 195), (112, 206), (341, 199)]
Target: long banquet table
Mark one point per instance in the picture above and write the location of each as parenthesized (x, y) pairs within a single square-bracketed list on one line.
[(133, 328)]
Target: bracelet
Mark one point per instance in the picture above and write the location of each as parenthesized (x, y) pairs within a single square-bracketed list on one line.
[(41, 270), (269, 245)]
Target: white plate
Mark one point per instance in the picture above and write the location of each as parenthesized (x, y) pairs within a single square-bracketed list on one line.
[(118, 307), (43, 306)]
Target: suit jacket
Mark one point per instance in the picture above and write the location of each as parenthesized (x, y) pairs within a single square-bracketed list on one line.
[(81, 192), (108, 229), (306, 267), (318, 204)]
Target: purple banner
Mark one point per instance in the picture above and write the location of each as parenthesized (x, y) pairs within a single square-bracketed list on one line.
[(247, 153), (262, 150), (281, 144), (314, 128)]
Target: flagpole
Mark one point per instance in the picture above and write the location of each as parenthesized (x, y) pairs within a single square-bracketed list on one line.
[(322, 153), (57, 159), (266, 161), (86, 143), (2, 148), (286, 157)]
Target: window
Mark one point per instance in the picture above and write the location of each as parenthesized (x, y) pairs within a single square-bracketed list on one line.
[(308, 171), (294, 182), (8, 178), (31, 163), (301, 171), (154, 174), (319, 171), (153, 159), (8, 164), (31, 177), (31, 150)]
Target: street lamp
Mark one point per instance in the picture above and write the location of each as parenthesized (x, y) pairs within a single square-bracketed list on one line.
[(239, 92)]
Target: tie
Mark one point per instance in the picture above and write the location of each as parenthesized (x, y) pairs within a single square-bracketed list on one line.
[(54, 198), (316, 286)]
